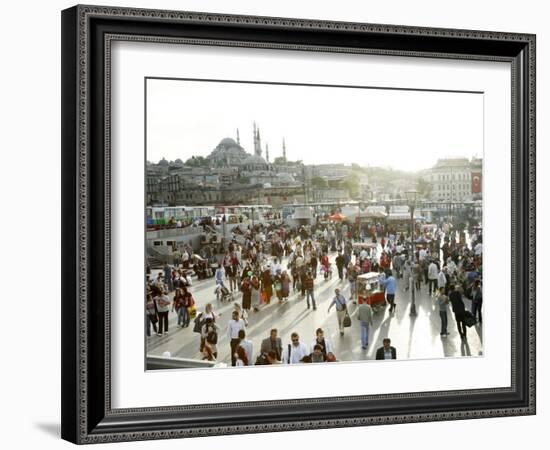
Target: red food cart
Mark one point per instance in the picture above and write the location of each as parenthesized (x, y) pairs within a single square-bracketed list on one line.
[(370, 291)]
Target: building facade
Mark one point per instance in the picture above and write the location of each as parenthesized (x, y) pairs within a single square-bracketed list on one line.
[(455, 179)]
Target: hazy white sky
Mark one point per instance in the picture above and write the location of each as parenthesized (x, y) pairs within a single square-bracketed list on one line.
[(406, 130)]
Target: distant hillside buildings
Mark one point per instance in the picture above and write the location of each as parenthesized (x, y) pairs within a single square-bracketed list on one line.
[(228, 175), (231, 175)]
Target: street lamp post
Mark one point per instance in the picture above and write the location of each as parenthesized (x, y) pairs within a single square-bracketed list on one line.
[(411, 198), (252, 230)]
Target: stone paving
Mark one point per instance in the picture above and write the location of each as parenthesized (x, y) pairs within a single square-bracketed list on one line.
[(413, 337)]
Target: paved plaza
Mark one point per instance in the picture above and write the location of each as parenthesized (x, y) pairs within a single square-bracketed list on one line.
[(414, 337)]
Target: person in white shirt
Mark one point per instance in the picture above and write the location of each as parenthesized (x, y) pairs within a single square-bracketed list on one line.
[(185, 257), (163, 308), (478, 249), (233, 327), (299, 261), (294, 352), (422, 254), (432, 277), (275, 267), (247, 346), (341, 309), (238, 254), (451, 266), (442, 279), (363, 255)]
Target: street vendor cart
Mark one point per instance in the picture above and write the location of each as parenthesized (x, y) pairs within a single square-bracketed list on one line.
[(370, 291), (357, 247)]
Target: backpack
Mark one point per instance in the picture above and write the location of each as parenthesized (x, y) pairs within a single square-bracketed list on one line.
[(212, 337), (198, 324)]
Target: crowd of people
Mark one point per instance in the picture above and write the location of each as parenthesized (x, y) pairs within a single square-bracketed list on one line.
[(274, 262)]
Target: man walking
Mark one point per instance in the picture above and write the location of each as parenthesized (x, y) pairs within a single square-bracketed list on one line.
[(459, 310), (432, 277), (352, 278), (308, 286), (235, 325), (477, 300), (295, 351), (272, 344), (442, 280), (386, 351), (340, 261), (247, 346), (390, 286), (442, 302), (322, 341), (341, 309), (364, 314), (168, 277)]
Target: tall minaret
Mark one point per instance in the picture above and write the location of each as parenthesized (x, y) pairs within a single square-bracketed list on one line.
[(284, 150), (238, 137), (266, 152), (257, 141), (254, 136)]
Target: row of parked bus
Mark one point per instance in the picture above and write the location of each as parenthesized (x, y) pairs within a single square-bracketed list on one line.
[(160, 216)]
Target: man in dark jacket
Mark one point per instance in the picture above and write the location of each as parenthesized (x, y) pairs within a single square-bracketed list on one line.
[(272, 343), (459, 310), (386, 351), (340, 261)]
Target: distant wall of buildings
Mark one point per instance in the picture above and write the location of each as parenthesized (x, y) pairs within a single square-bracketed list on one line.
[(455, 179)]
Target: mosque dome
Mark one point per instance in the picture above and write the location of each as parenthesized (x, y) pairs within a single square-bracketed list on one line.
[(228, 151), (228, 142), (254, 160)]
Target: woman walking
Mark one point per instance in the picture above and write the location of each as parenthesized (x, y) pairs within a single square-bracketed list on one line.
[(241, 357), (246, 289), (152, 318), (285, 280), (209, 332), (201, 319), (188, 302), (163, 308), (178, 305), (255, 295), (278, 286)]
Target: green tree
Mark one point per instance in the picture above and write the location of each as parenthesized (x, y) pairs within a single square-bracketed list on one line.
[(197, 161), (279, 161), (319, 182), (423, 187), (352, 185)]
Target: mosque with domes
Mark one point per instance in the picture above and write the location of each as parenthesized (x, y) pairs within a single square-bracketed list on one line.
[(229, 152), (229, 170)]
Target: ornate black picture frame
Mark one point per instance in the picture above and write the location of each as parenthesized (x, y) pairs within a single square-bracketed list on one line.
[(87, 415)]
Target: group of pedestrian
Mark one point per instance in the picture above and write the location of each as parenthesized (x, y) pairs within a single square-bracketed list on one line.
[(159, 304)]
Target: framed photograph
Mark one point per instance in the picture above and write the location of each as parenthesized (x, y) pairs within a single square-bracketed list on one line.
[(283, 224)]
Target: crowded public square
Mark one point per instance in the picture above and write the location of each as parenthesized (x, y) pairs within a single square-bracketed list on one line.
[(334, 290)]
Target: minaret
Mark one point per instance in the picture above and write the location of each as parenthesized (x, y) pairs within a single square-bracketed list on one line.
[(254, 134), (238, 138), (257, 141), (284, 150), (267, 152)]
